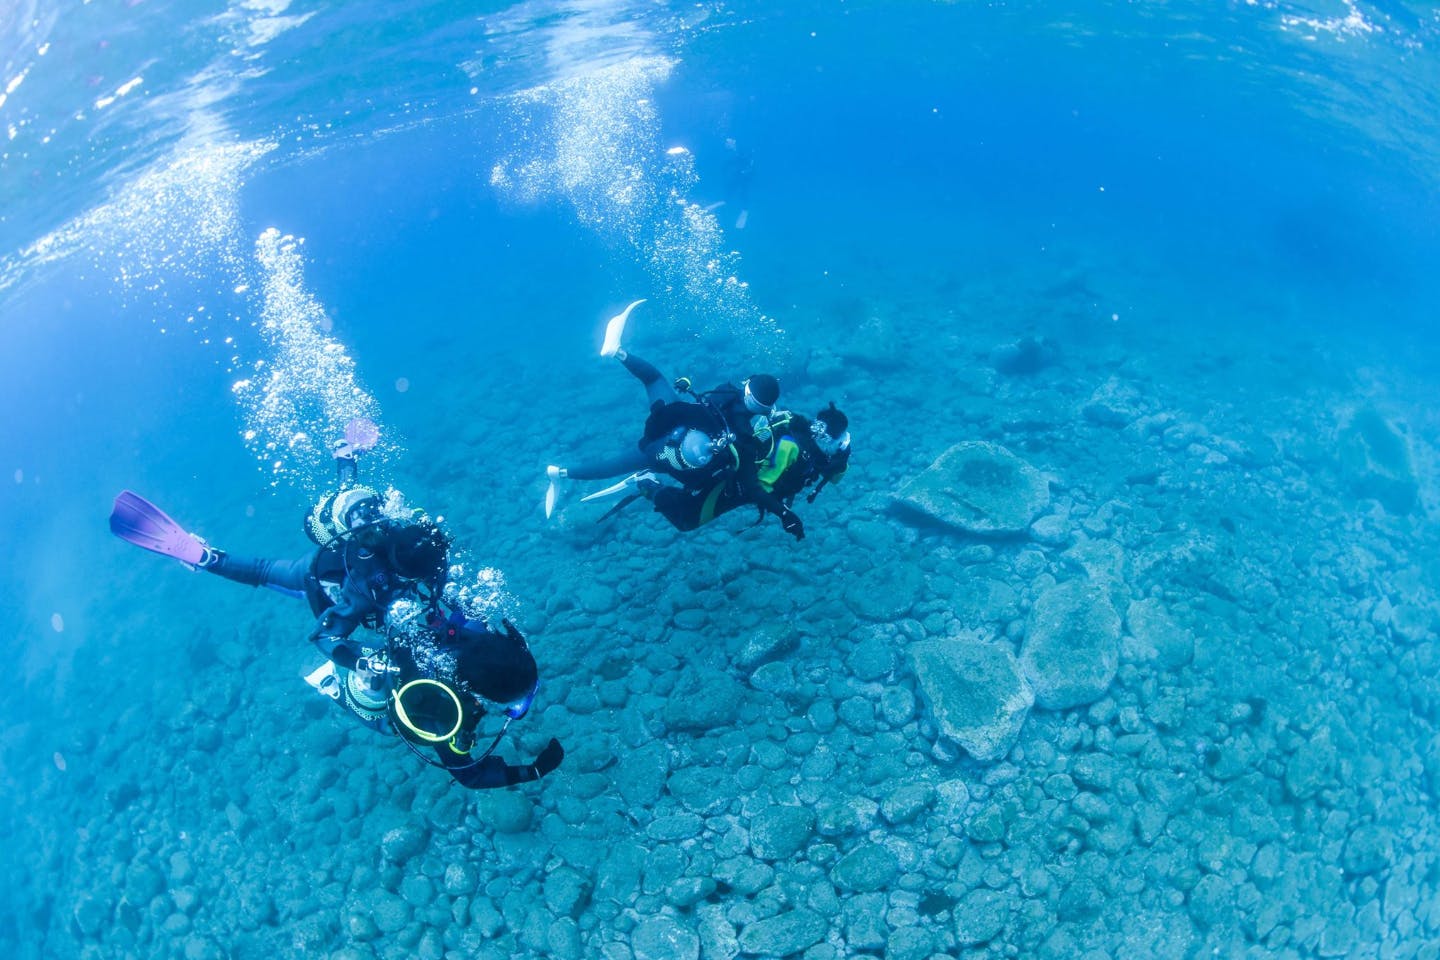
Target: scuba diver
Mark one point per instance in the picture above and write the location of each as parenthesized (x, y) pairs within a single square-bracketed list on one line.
[(373, 559), (429, 686), (807, 453), (369, 552), (364, 560), (801, 453), (700, 440)]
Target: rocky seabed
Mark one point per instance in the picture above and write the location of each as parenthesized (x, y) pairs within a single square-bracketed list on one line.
[(1086, 668)]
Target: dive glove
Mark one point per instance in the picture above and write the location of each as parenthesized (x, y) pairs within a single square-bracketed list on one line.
[(790, 520), (549, 758)]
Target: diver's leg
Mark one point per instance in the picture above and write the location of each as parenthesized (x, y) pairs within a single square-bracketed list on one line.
[(719, 501), (630, 462), (286, 575), (681, 507), (690, 508), (657, 388)]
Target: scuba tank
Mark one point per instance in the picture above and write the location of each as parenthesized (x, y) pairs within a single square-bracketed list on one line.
[(367, 700), (686, 448)]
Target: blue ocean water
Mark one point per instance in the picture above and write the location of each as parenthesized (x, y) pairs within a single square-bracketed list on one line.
[(226, 228)]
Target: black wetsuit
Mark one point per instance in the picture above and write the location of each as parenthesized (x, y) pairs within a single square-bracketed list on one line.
[(729, 478), (346, 585), (696, 504), (811, 467), (670, 416), (729, 401), (349, 587), (489, 771), (690, 508)]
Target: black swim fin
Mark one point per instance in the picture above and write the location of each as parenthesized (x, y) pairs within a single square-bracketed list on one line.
[(623, 503)]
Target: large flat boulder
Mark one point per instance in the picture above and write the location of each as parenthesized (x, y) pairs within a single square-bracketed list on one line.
[(1376, 455), (979, 487), (1072, 645), (974, 692)]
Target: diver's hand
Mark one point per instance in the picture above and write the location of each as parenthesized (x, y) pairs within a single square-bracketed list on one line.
[(790, 520), (549, 758)]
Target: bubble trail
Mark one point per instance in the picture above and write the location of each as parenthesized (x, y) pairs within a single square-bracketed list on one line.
[(300, 399), (593, 142)]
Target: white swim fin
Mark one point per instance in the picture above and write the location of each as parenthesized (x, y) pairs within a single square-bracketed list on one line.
[(324, 680), (629, 483), (615, 329), (552, 492)]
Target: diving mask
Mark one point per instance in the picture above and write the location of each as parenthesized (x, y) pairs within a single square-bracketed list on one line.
[(828, 445), (343, 512)]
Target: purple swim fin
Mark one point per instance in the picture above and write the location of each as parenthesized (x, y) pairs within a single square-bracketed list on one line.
[(138, 521)]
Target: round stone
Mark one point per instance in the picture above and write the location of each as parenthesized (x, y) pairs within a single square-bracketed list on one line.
[(389, 912), (661, 938), (906, 802), (779, 832), (91, 914), (508, 811), (1368, 849), (867, 868), (783, 935), (142, 883), (402, 843), (677, 826), (980, 915), (460, 879)]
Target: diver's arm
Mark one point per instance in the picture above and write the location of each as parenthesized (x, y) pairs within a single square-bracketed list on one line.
[(493, 772), (363, 598), (830, 469), (331, 636), (747, 475)]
